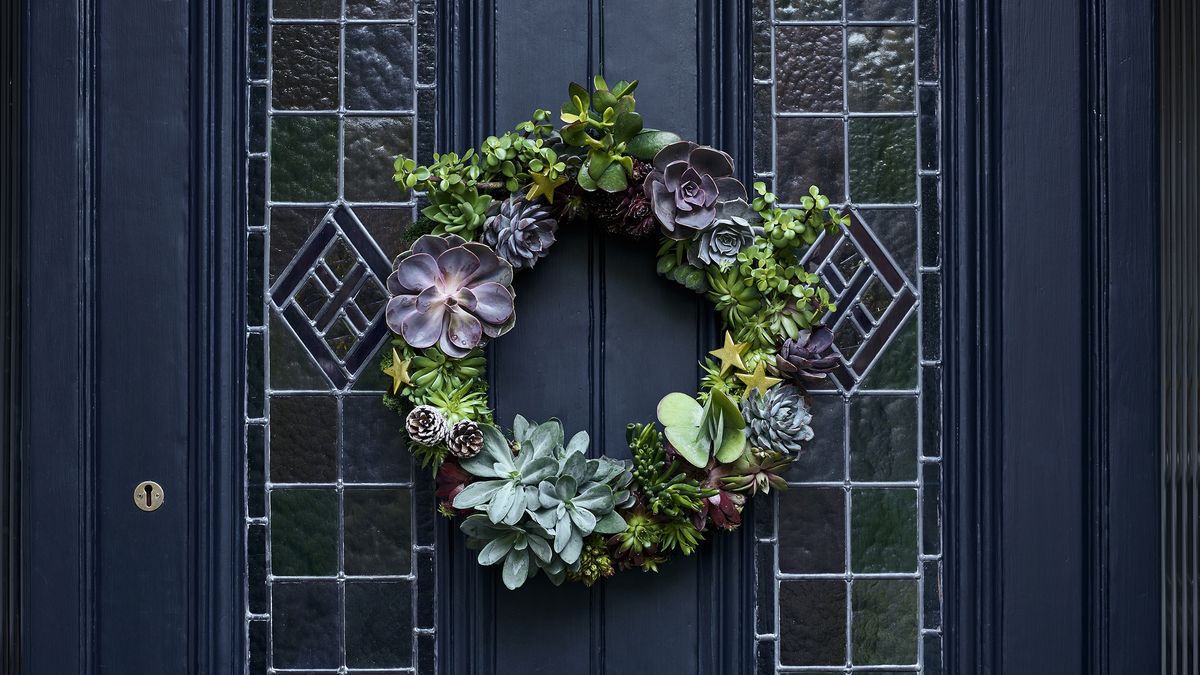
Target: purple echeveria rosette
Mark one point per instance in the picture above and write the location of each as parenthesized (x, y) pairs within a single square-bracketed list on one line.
[(450, 293), (687, 184)]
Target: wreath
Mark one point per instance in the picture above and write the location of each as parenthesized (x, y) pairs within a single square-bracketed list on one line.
[(532, 499)]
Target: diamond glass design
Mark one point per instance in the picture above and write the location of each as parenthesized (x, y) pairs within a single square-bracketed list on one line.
[(872, 295), (340, 560), (323, 292), (849, 560)]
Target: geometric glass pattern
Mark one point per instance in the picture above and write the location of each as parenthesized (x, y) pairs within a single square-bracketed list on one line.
[(848, 560), (873, 297), (339, 528), (332, 296)]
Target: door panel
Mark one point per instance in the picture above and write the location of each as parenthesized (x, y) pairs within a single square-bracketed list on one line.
[(600, 338)]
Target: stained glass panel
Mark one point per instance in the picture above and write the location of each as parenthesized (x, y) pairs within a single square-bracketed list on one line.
[(849, 558), (340, 572)]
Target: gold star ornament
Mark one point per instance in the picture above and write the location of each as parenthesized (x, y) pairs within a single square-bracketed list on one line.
[(758, 380), (543, 184), (398, 370), (731, 354)]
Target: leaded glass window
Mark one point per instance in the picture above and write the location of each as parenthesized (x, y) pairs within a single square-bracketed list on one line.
[(849, 559), (339, 529)]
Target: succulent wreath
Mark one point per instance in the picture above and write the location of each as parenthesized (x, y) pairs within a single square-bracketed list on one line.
[(533, 500)]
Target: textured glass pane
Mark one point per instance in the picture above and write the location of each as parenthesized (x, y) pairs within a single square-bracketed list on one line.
[(932, 595), (427, 46), (810, 152), (884, 630), (306, 9), (883, 525), (762, 39), (883, 156), (931, 411), (256, 38), (823, 458), (378, 624), (377, 538), (929, 128), (764, 128), (256, 476), (883, 438), (379, 9), (255, 264), (812, 622), (256, 568), (812, 530), (808, 64), (304, 155), (881, 69), (259, 634), (379, 67), (861, 118), (372, 143), (254, 375), (929, 39), (931, 222), (304, 67), (931, 509), (897, 232), (896, 367), (328, 480), (808, 10), (303, 439), (306, 620), (877, 10), (304, 539), (291, 367), (372, 446), (257, 120)]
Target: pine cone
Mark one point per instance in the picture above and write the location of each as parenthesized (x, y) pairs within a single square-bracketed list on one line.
[(465, 439), (425, 425), (521, 232)]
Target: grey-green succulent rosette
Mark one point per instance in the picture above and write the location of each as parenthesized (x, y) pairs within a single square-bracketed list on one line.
[(532, 500)]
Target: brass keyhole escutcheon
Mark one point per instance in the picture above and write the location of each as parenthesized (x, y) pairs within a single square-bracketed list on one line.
[(148, 495)]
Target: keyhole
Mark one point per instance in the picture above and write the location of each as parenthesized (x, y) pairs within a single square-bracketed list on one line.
[(148, 495)]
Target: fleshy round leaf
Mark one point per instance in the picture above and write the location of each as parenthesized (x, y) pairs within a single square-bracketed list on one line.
[(676, 409), (646, 144), (496, 549), (583, 519), (612, 523), (516, 569), (613, 179), (477, 493)]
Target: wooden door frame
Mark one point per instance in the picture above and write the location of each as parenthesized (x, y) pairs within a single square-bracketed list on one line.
[(1051, 111), (51, 612), (1102, 76)]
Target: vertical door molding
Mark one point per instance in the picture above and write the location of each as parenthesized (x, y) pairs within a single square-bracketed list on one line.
[(59, 119), (1052, 408), (217, 360), (727, 576)]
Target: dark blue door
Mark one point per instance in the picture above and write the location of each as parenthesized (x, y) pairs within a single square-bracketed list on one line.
[(155, 218)]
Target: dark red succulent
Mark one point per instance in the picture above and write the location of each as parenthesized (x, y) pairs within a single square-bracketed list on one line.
[(451, 479), (807, 357), (724, 507)]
